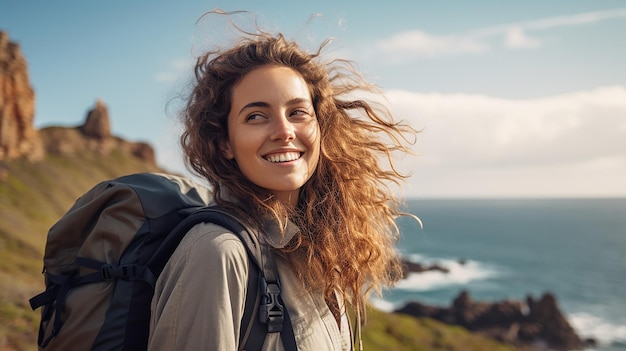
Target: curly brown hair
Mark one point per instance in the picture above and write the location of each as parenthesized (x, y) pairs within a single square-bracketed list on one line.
[(346, 210)]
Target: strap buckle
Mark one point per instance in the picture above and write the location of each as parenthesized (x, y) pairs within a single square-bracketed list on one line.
[(111, 272), (271, 311)]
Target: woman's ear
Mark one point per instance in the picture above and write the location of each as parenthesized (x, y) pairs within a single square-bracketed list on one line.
[(226, 149)]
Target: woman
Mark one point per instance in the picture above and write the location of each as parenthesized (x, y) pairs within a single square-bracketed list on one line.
[(276, 134)]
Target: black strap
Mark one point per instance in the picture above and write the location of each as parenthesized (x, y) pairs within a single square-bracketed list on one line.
[(249, 336), (267, 303), (286, 335), (273, 310), (62, 292), (109, 271), (59, 287), (259, 333), (252, 332)]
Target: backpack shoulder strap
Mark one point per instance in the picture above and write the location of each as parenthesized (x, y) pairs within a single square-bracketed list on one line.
[(261, 264), (212, 214)]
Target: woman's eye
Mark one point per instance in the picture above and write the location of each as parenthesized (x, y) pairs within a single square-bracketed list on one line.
[(254, 117), (300, 112)]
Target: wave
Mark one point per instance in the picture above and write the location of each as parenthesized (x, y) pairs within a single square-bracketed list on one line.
[(460, 273), (383, 305), (605, 332)]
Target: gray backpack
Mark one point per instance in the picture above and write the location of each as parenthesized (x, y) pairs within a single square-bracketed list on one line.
[(103, 257)]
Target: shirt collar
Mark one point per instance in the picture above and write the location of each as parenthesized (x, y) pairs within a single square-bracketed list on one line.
[(270, 233), (276, 238)]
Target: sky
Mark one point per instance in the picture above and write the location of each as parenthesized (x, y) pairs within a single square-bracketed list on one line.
[(513, 99)]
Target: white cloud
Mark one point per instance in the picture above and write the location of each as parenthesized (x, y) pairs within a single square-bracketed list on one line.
[(516, 38), (574, 20), (414, 44), (179, 68), (417, 44), (475, 144)]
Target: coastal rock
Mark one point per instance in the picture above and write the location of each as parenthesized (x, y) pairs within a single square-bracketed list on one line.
[(18, 137), (415, 267), (528, 324), (556, 329)]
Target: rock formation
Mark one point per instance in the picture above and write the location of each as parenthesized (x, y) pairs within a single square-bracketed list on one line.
[(416, 267), (97, 124), (20, 139), (93, 135), (538, 324), (18, 136)]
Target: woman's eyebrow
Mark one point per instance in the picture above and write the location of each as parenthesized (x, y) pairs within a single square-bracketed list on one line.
[(264, 104), (298, 100), (254, 104)]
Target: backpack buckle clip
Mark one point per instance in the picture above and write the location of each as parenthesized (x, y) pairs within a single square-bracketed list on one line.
[(111, 272), (271, 311)]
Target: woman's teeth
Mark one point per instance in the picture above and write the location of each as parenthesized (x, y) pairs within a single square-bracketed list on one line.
[(285, 157)]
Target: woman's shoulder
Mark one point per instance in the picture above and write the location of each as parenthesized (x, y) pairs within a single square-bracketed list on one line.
[(209, 240)]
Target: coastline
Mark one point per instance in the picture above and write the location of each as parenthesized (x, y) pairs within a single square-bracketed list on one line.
[(530, 324)]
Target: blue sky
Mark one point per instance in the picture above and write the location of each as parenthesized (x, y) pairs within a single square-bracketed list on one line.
[(515, 99)]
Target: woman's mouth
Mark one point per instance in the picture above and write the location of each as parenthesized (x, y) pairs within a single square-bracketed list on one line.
[(283, 157)]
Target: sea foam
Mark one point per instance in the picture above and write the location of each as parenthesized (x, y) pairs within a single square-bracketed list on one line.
[(460, 273), (605, 332)]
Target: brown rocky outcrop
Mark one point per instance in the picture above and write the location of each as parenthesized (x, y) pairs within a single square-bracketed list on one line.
[(97, 124), (18, 136), (539, 324), (93, 135)]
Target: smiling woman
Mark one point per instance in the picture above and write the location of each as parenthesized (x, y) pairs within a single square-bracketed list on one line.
[(273, 129), (274, 137)]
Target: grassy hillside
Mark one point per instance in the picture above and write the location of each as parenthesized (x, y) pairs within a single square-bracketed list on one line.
[(399, 332), (34, 195)]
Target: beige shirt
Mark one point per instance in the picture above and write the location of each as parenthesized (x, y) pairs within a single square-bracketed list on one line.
[(199, 299)]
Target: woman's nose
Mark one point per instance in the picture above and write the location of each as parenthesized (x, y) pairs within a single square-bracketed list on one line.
[(283, 130)]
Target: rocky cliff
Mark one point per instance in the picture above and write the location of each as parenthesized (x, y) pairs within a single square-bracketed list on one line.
[(18, 136), (20, 139)]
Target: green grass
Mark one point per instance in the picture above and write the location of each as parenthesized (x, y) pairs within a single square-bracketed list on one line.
[(18, 323), (397, 332)]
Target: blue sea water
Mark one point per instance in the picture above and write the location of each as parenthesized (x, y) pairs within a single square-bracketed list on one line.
[(573, 248)]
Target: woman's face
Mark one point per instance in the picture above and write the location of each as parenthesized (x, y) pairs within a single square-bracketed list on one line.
[(273, 132)]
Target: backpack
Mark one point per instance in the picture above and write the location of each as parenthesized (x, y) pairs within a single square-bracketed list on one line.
[(103, 257)]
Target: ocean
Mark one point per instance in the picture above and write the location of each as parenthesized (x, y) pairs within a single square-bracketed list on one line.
[(509, 249)]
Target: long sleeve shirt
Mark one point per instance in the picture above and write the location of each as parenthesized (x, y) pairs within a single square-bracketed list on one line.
[(200, 296)]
